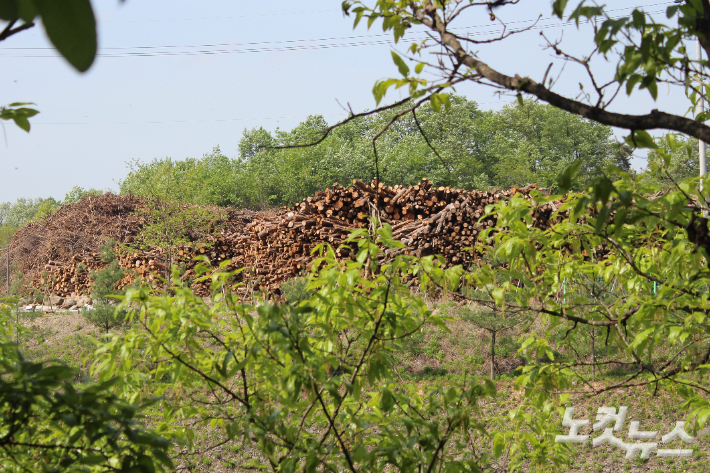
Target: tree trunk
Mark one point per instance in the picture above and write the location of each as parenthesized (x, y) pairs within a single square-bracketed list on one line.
[(594, 358), (493, 355)]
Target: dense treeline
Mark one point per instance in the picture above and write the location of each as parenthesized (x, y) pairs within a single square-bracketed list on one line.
[(522, 143), (14, 215)]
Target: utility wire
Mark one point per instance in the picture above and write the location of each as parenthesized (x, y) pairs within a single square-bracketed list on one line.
[(222, 17), (213, 120), (278, 49), (264, 50), (179, 121), (296, 47)]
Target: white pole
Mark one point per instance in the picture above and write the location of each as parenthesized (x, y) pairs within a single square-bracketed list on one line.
[(701, 143)]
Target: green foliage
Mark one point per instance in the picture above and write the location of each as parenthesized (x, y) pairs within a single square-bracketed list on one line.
[(6, 233), (13, 216), (70, 26), (169, 220), (534, 143), (210, 180), (309, 387), (18, 113), (50, 424), (170, 223), (521, 144), (295, 290), (432, 349), (23, 211), (639, 272), (77, 193), (494, 320), (675, 159), (105, 315)]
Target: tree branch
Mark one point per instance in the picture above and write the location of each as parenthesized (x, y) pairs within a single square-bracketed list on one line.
[(8, 31), (653, 120)]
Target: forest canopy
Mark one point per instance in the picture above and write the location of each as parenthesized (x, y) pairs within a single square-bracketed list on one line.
[(524, 142), (521, 144)]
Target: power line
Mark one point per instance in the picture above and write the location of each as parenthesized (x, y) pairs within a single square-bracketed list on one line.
[(213, 120), (297, 47), (180, 121), (222, 17), (264, 50)]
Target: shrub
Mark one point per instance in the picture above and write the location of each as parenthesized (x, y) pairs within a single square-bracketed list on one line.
[(296, 290), (104, 314)]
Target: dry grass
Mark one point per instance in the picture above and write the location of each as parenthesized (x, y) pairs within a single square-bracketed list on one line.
[(67, 337)]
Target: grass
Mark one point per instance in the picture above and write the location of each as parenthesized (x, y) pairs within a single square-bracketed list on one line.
[(431, 358)]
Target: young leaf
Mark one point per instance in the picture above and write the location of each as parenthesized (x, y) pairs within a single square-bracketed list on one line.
[(558, 8), (399, 62), (22, 122)]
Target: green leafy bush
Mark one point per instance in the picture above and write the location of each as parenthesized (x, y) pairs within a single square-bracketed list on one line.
[(311, 386), (476, 149), (296, 290), (52, 424), (105, 314)]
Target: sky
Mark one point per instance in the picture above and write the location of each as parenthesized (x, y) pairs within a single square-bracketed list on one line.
[(178, 78)]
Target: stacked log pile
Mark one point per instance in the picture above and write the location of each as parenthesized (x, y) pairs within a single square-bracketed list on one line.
[(428, 219), (59, 253), (50, 252)]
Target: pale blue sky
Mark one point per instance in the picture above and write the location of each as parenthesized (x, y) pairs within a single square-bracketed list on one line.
[(177, 78)]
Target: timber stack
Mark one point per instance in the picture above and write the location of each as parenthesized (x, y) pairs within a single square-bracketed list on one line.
[(59, 253), (429, 220)]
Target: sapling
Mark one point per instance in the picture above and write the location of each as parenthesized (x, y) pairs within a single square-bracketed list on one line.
[(493, 322), (104, 314)]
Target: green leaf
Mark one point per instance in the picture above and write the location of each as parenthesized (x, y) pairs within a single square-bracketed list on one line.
[(381, 87), (27, 10), (92, 460), (631, 82), (558, 9), (438, 100), (71, 26), (419, 68), (641, 139), (9, 10), (435, 102), (399, 62), (666, 159), (697, 4), (602, 190), (652, 87), (386, 400), (498, 445), (564, 180), (22, 122)]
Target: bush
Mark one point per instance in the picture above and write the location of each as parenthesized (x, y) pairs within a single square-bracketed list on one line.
[(104, 314), (296, 290)]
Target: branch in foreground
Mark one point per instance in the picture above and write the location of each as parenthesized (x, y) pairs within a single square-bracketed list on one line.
[(653, 120), (9, 31)]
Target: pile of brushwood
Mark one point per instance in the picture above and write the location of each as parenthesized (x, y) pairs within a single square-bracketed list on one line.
[(58, 253)]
